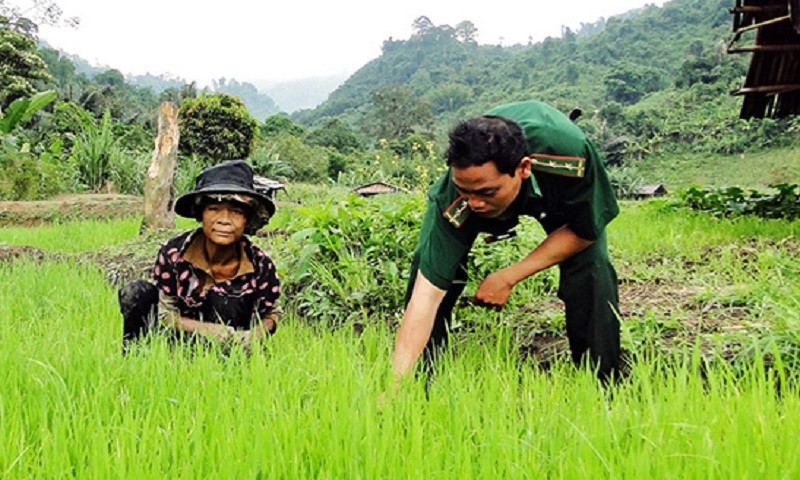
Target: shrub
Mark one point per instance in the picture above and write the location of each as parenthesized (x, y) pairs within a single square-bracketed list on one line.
[(217, 126), (349, 259), (734, 201)]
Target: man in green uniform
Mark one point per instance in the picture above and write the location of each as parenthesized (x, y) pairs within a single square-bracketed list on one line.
[(524, 158)]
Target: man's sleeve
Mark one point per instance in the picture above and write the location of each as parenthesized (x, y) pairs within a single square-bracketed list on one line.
[(588, 204), (442, 247)]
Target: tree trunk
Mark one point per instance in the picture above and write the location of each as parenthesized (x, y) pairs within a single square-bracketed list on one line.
[(158, 184)]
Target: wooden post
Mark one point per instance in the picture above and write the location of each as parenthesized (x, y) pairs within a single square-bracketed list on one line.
[(158, 184)]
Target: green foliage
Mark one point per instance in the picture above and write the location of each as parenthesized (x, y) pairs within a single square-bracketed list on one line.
[(186, 172), (293, 158), (627, 83), (95, 151), (22, 109), (217, 126), (23, 176), (20, 178), (337, 164), (449, 97), (259, 105), (349, 260), (21, 66), (266, 161), (280, 124), (68, 119), (735, 201), (397, 112), (411, 163), (335, 134), (626, 180), (128, 172)]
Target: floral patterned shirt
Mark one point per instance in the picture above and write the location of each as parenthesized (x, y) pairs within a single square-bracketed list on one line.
[(186, 287)]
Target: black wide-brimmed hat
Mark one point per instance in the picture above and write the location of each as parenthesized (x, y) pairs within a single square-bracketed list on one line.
[(231, 180)]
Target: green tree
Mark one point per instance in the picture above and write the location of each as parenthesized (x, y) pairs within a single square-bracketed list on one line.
[(449, 97), (216, 126), (422, 25), (21, 66), (397, 113), (67, 121), (258, 104), (335, 134), (306, 163), (280, 124), (628, 82), (466, 32)]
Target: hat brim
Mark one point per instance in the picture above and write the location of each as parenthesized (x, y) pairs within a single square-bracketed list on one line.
[(186, 205)]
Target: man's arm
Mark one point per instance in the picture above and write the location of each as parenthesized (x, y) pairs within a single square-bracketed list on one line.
[(560, 245), (417, 324)]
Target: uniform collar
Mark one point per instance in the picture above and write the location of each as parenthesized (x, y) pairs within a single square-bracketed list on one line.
[(454, 207), (528, 194)]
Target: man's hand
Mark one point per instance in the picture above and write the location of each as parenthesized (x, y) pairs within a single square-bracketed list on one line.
[(494, 290)]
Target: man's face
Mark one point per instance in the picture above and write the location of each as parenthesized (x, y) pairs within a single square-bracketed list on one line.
[(489, 193)]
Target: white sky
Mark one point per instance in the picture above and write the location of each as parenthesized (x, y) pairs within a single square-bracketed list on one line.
[(288, 39)]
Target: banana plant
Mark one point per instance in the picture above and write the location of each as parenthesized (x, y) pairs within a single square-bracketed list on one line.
[(23, 109)]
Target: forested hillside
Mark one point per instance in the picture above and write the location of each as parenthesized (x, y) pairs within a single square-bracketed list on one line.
[(654, 82), (658, 78)]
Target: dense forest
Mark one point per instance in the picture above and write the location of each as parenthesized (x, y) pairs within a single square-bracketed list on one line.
[(654, 81)]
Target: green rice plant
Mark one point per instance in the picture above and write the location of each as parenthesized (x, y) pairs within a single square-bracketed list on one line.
[(73, 236), (303, 405)]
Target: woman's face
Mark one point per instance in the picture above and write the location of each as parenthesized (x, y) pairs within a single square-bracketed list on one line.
[(224, 222)]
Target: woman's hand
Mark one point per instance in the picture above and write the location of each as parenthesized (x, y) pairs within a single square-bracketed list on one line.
[(244, 338), (220, 333)]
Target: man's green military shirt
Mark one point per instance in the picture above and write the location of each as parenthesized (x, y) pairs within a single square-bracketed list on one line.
[(569, 186)]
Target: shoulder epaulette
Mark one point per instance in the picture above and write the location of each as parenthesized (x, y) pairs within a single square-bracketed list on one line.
[(457, 212), (558, 164)]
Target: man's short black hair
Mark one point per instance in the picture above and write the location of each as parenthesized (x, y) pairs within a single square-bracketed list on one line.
[(487, 138)]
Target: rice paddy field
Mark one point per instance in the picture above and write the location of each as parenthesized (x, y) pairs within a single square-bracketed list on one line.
[(304, 404)]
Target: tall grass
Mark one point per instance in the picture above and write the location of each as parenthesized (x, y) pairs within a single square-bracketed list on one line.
[(303, 406), (95, 150)]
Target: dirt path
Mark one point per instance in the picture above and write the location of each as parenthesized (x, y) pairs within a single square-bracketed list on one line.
[(65, 207)]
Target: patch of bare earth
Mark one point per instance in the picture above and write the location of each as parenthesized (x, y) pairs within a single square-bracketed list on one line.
[(65, 207)]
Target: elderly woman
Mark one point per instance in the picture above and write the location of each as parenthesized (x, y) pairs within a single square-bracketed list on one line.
[(212, 281)]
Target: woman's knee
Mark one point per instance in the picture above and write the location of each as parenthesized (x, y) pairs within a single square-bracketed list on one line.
[(136, 294)]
